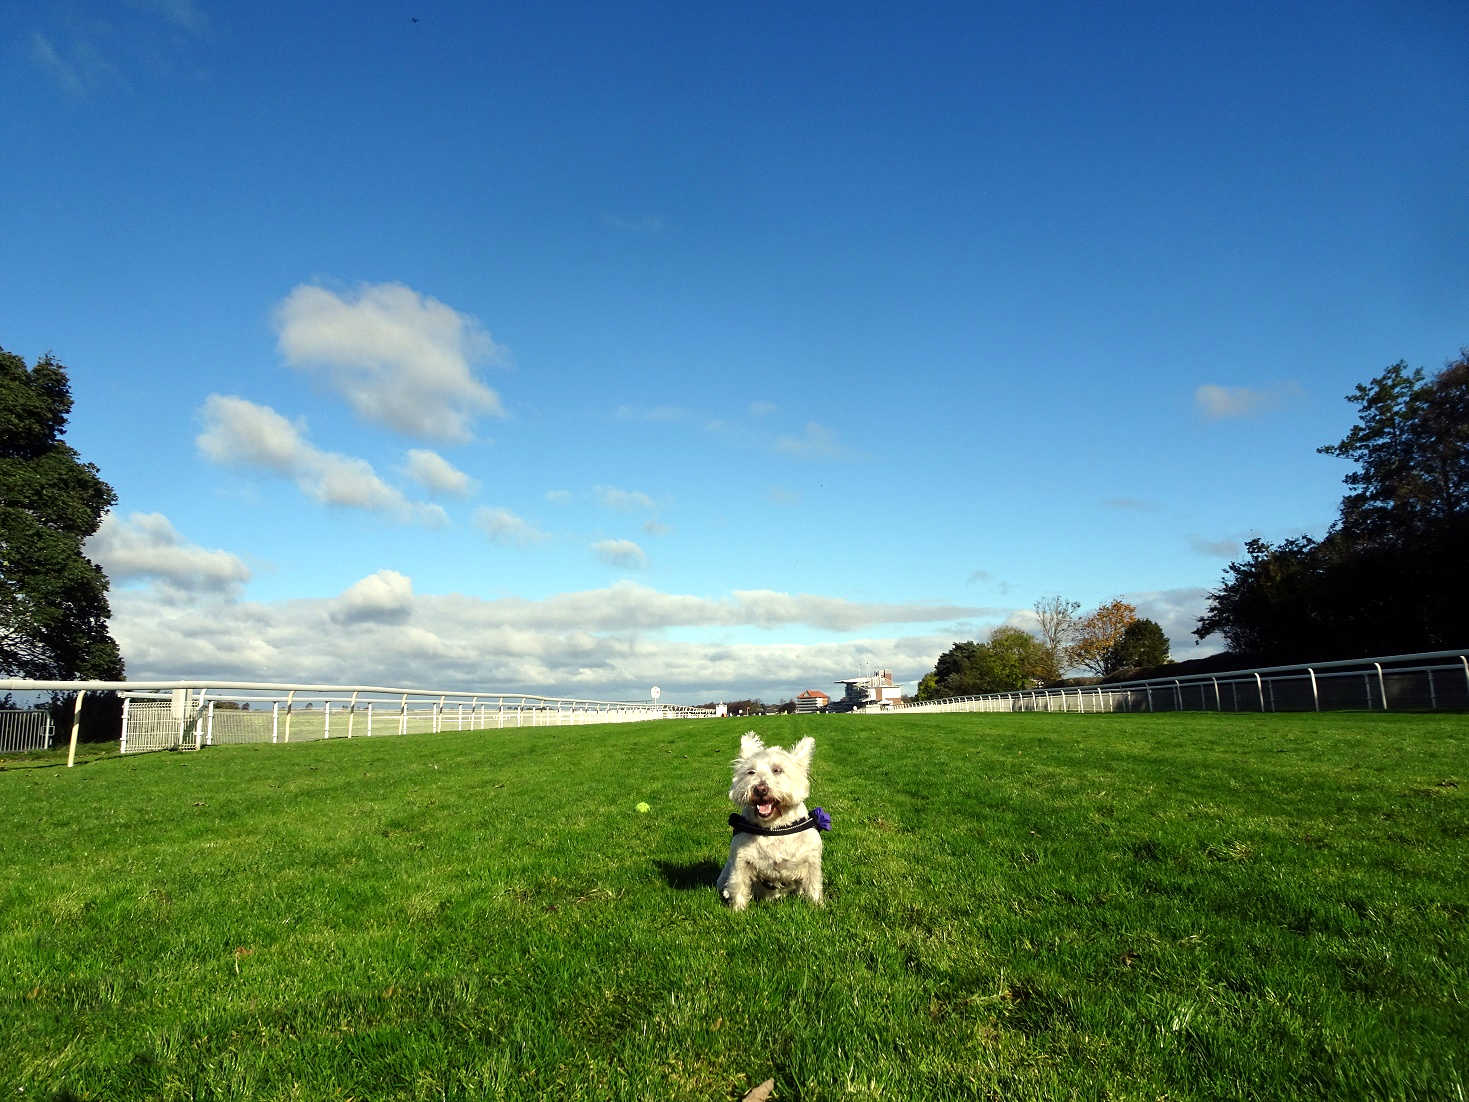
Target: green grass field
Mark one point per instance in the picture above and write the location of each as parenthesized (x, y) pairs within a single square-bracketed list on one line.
[(1018, 907)]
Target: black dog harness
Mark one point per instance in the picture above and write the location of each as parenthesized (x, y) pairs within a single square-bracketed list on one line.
[(817, 820)]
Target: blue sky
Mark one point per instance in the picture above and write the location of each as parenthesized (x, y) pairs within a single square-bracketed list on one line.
[(577, 348)]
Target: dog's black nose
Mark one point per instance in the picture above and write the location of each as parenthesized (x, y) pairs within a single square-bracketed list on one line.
[(760, 791)]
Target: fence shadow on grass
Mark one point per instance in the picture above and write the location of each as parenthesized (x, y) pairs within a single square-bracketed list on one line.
[(688, 877)]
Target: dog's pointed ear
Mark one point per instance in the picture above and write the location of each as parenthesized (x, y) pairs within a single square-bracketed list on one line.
[(802, 751), (750, 744)]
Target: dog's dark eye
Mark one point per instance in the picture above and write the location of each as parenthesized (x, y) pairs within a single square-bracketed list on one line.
[(749, 772), (775, 769)]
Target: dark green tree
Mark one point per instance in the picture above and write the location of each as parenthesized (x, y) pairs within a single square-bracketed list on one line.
[(1411, 450), (1012, 659), (53, 600), (1388, 576), (1142, 644)]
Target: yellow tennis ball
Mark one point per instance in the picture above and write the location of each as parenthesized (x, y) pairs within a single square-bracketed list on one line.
[(643, 809)]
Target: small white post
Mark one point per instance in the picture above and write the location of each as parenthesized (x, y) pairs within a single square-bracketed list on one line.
[(1260, 688), (122, 746), (369, 719), (1381, 685), (351, 714), (209, 738), (76, 728), (326, 719), (403, 716), (290, 707), (1315, 695), (275, 721)]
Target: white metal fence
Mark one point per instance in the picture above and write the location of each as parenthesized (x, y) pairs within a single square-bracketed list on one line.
[(191, 719), (1432, 680), (25, 729), (189, 715)]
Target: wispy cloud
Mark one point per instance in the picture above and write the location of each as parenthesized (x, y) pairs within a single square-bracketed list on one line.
[(240, 433), (1225, 548), (437, 475), (614, 498), (621, 553), (762, 408), (1218, 403), (558, 497), (815, 441), (78, 68), (184, 14), (399, 358), (1131, 504), (505, 528), (628, 412), (645, 223)]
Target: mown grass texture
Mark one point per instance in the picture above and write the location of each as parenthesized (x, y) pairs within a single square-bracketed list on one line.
[(1018, 907)]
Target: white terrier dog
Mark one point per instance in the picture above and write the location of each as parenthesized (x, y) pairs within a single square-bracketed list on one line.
[(776, 849)]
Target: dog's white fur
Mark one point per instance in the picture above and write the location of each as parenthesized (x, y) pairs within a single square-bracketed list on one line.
[(770, 785)]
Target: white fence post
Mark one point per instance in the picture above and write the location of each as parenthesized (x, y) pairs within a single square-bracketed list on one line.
[(76, 728)]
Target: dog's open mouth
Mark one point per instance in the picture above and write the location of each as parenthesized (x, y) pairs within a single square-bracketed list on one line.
[(766, 809)]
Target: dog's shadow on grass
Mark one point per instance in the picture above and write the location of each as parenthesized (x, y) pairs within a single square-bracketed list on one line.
[(689, 877)]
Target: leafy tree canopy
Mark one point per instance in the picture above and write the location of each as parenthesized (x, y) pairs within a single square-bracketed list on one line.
[(53, 600), (1389, 575), (1011, 659), (1098, 633), (1142, 644)]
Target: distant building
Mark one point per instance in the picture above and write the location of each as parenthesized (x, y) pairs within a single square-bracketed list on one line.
[(874, 691), (812, 700)]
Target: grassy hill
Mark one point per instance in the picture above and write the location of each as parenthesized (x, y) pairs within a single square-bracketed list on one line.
[(1019, 907)]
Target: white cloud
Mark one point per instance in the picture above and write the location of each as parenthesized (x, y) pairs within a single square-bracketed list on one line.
[(815, 441), (399, 358), (607, 643), (558, 497), (385, 597), (145, 546), (1219, 403), (437, 475), (505, 528), (240, 433), (1223, 548), (622, 553), (614, 498), (1177, 612)]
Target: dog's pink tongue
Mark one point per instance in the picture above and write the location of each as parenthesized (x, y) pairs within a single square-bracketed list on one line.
[(764, 809)]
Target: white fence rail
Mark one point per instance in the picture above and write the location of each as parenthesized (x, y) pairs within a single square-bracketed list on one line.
[(190, 715), (1432, 680), (25, 729)]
